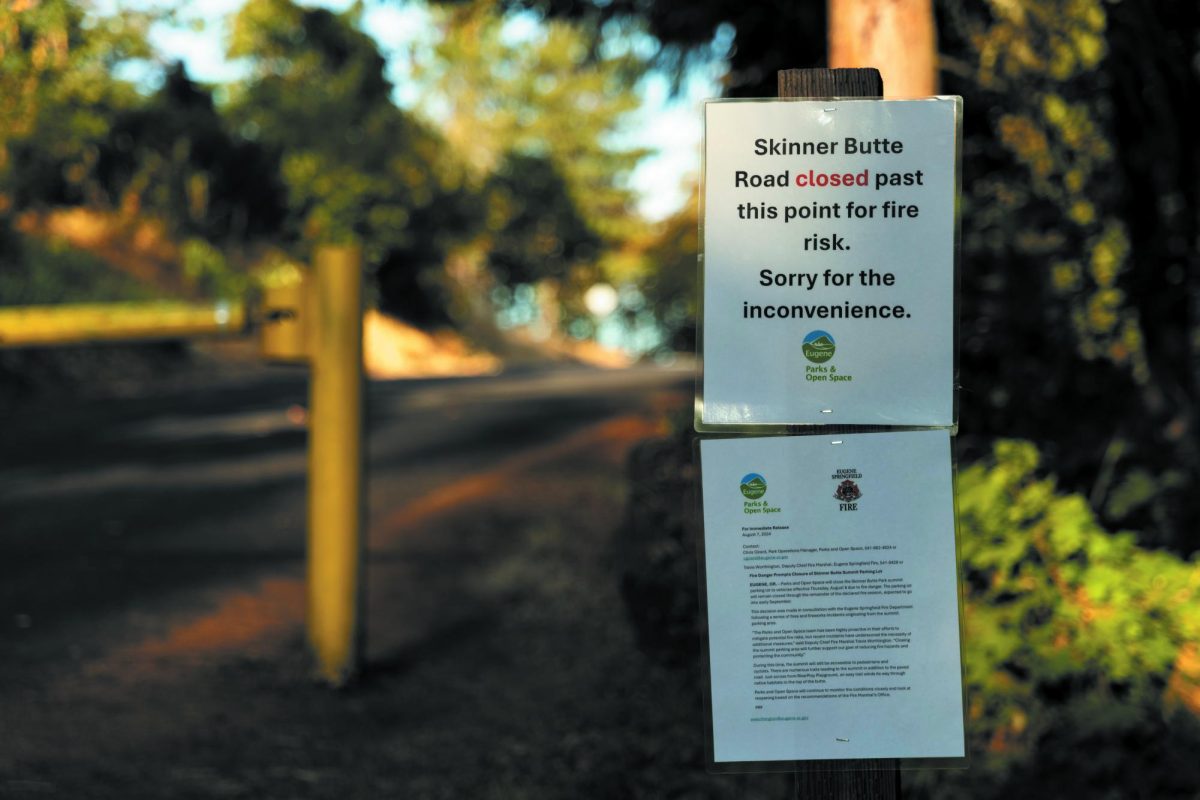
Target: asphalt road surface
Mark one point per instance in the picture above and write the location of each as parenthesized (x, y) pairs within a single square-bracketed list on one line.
[(152, 605), (108, 507)]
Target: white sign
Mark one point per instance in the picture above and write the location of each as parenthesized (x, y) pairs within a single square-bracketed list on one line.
[(829, 243), (832, 597)]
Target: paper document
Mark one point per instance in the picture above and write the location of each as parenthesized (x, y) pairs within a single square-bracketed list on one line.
[(832, 597)]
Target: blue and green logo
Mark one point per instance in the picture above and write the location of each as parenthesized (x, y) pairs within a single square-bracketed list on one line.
[(818, 347), (754, 486)]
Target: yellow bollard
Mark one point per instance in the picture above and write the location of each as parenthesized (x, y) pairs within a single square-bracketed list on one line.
[(286, 321), (335, 465)]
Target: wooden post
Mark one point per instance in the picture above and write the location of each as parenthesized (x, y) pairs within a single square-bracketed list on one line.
[(866, 82), (861, 779), (335, 465)]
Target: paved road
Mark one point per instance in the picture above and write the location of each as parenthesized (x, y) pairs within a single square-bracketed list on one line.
[(108, 507), (151, 599)]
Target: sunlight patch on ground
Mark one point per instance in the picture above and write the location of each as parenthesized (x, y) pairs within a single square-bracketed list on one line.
[(250, 621), (392, 349), (239, 623), (612, 439)]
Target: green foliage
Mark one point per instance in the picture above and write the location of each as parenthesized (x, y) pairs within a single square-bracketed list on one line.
[(1045, 59), (1052, 594), (1074, 187), (537, 231), (355, 167), (535, 116), (175, 157), (1072, 635), (525, 182), (33, 272), (551, 95), (207, 269), (59, 93), (672, 286)]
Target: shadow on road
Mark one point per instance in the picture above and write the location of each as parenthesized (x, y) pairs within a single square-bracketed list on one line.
[(155, 633)]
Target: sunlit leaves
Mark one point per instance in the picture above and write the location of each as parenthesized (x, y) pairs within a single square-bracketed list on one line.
[(537, 89), (1060, 38), (56, 82), (1058, 610), (535, 109), (355, 167), (1044, 58)]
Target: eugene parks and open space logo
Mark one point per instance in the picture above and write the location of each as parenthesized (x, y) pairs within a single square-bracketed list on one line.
[(754, 486), (818, 347)]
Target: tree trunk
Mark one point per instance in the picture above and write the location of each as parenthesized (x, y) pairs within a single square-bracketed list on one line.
[(895, 36)]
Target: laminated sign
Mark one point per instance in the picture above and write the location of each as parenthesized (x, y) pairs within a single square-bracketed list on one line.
[(830, 576), (829, 247)]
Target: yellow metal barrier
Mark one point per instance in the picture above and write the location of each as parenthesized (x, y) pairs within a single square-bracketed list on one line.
[(319, 320), (287, 312), (31, 326)]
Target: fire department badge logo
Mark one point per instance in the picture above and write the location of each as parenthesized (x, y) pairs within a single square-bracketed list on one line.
[(847, 492)]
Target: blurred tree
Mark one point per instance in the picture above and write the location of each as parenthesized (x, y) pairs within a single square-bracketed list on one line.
[(355, 166), (60, 96), (765, 37), (542, 94), (80, 137), (896, 37), (667, 273), (535, 115), (537, 230), (1064, 205), (174, 156)]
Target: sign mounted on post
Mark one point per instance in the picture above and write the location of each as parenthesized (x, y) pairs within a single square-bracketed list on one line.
[(832, 595), (829, 245)]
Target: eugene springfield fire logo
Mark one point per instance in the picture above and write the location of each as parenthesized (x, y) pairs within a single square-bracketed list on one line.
[(847, 492)]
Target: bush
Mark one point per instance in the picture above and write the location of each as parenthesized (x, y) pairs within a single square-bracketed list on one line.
[(33, 272), (1076, 647)]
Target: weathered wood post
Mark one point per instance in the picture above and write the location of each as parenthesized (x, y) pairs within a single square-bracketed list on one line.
[(853, 780)]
